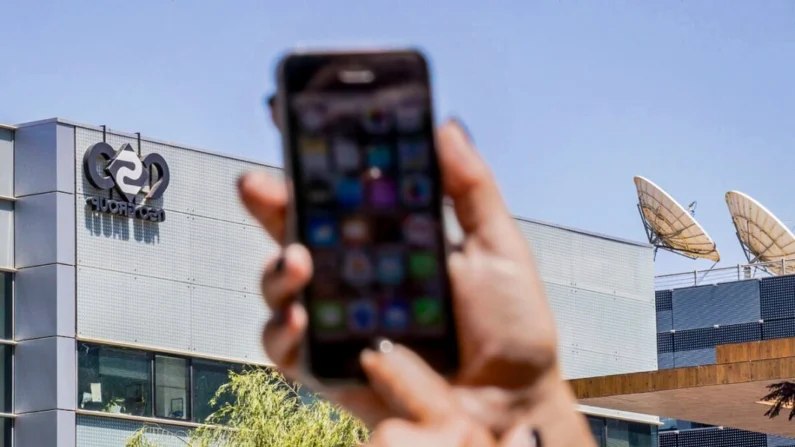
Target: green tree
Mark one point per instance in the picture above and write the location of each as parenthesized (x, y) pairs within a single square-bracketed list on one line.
[(265, 410), (782, 395)]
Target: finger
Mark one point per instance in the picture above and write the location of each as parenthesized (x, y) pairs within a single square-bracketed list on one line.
[(468, 181), (281, 340), (407, 384), (285, 276), (265, 198)]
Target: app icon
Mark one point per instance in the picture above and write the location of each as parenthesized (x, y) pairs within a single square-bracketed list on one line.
[(357, 268), (379, 156), (349, 192), (422, 265), (319, 190), (390, 267), (322, 232), (312, 118), (325, 272), (427, 311), (413, 154), (346, 154), (416, 190), (355, 230), (409, 117), (328, 314), (376, 121), (313, 155), (420, 230), (362, 316), (383, 193), (396, 316)]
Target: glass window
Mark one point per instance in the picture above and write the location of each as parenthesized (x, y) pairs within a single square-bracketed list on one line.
[(635, 434), (5, 432), (208, 376), (598, 430), (171, 387), (5, 379), (6, 290), (114, 380)]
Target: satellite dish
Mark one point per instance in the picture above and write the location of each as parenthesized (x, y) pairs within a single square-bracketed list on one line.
[(670, 226), (764, 238)]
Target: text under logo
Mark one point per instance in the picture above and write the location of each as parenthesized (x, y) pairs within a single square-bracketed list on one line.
[(128, 173)]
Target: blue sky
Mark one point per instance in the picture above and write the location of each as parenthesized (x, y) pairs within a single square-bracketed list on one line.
[(567, 100)]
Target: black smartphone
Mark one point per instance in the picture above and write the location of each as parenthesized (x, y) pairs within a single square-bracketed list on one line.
[(366, 190)]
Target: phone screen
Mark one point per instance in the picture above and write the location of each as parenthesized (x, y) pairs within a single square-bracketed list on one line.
[(368, 200)]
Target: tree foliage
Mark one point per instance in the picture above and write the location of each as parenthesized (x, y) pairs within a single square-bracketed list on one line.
[(782, 395), (266, 411)]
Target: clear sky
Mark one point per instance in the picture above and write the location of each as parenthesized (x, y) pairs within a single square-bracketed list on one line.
[(567, 100)]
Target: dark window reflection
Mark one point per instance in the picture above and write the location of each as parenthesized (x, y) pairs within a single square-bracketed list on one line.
[(114, 380)]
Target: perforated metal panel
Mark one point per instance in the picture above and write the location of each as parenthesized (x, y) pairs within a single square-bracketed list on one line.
[(668, 440), (665, 360), (662, 298), (190, 282), (696, 357), (107, 432), (665, 342), (694, 339), (665, 320), (714, 437), (778, 328), (705, 306), (738, 333), (777, 296)]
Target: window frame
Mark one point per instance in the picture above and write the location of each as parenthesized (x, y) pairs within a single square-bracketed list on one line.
[(188, 404)]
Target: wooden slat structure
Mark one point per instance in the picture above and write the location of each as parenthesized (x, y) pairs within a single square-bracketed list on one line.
[(726, 393)]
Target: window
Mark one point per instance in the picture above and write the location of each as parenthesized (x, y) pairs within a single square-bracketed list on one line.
[(208, 376), (6, 290), (5, 379), (598, 430), (171, 387), (114, 380)]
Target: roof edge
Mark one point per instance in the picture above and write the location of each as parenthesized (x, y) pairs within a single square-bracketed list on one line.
[(265, 165)]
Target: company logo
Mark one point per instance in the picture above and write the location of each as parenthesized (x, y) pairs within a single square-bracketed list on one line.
[(106, 168)]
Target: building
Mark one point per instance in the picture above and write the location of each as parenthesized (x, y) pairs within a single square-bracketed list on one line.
[(115, 315)]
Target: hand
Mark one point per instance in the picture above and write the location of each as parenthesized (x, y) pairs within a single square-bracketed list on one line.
[(509, 365), (427, 403)]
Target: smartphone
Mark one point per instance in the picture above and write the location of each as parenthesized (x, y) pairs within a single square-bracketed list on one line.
[(366, 191)]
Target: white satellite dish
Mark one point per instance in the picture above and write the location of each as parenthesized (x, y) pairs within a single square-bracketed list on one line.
[(670, 226), (765, 239)]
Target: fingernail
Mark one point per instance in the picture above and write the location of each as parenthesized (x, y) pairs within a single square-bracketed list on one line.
[(279, 266), (383, 345), (463, 128)]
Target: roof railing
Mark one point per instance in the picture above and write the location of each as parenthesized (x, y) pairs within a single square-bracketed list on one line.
[(723, 274)]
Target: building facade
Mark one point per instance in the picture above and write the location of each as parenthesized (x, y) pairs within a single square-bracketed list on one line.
[(693, 320), (119, 311)]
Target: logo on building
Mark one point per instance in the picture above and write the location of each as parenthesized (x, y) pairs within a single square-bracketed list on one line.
[(128, 173)]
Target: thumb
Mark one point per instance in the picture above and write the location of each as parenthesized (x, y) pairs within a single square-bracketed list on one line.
[(407, 384)]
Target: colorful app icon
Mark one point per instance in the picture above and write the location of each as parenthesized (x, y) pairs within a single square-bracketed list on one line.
[(390, 267), (414, 155), (349, 192), (362, 316), (383, 193), (319, 190), (420, 230), (322, 232), (379, 156), (328, 314), (409, 117), (346, 154), (396, 316), (427, 311), (422, 265), (416, 190), (357, 269), (314, 155), (376, 121), (355, 230), (312, 119)]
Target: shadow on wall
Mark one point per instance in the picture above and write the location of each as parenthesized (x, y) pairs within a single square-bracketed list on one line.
[(118, 227)]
